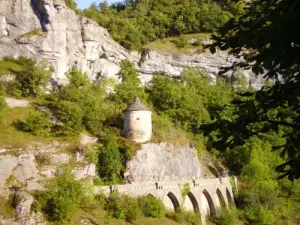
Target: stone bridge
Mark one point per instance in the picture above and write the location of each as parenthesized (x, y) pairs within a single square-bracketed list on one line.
[(205, 196)]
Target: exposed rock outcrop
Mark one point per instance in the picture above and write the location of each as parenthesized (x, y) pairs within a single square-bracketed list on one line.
[(164, 162), (174, 65), (48, 29), (21, 168), (13, 103), (23, 202)]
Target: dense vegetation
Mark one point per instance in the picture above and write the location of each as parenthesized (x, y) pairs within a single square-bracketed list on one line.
[(135, 23), (192, 107)]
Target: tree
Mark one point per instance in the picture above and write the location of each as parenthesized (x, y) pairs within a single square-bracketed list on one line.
[(33, 77), (70, 114), (264, 37), (63, 196), (110, 162), (130, 87), (71, 4)]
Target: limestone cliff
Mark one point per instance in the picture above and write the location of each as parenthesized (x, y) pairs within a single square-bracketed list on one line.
[(174, 64), (164, 162), (48, 29)]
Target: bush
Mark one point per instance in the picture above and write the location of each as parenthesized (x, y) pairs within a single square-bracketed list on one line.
[(180, 42), (37, 123), (70, 114), (123, 207), (151, 206), (131, 208), (114, 206), (110, 162), (62, 197), (227, 217), (32, 78), (190, 218), (2, 107)]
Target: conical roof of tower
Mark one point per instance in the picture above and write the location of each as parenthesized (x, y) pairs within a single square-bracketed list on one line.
[(137, 105)]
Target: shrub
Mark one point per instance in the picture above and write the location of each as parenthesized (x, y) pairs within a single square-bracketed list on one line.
[(33, 77), (131, 208), (151, 206), (122, 207), (91, 154), (227, 217), (180, 42), (110, 162), (70, 114), (43, 158), (2, 107), (184, 217), (37, 123), (62, 197), (114, 206)]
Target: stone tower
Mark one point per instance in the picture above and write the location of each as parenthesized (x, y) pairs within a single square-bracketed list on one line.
[(137, 122)]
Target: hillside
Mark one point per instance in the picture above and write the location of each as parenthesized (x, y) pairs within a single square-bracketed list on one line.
[(219, 141)]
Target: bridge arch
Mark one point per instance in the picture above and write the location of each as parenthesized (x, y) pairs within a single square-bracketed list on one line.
[(221, 198), (229, 197), (211, 206), (171, 201), (191, 202)]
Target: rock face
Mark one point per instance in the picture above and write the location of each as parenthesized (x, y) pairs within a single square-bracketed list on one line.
[(48, 29), (23, 202), (22, 168), (175, 64), (163, 162)]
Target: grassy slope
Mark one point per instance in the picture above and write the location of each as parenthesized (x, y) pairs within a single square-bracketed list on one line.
[(6, 67), (11, 137), (100, 218), (167, 46)]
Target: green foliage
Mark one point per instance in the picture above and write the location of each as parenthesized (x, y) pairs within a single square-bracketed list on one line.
[(189, 218), (273, 108), (135, 24), (37, 123), (123, 207), (91, 154), (227, 217), (7, 209), (35, 32), (130, 87), (110, 162), (151, 206), (71, 4), (185, 189), (180, 42), (70, 114), (31, 77), (81, 105), (2, 107), (7, 67), (188, 101), (62, 197)]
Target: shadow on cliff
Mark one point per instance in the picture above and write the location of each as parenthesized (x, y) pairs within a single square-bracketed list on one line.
[(40, 13)]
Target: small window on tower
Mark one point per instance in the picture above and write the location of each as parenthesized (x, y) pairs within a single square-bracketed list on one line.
[(137, 118)]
